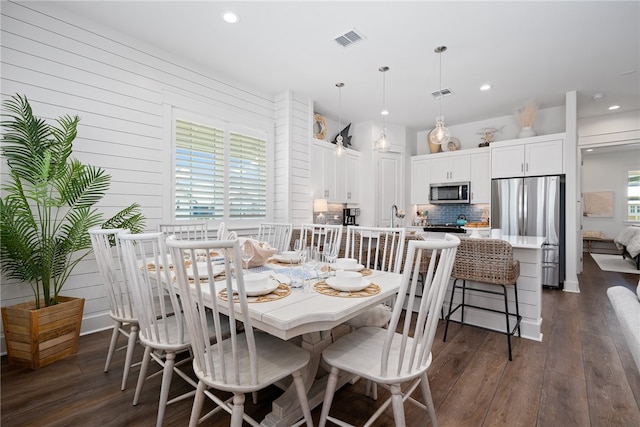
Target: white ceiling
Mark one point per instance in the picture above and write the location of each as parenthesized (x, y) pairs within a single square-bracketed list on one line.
[(527, 50)]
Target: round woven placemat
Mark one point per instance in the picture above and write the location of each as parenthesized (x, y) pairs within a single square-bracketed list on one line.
[(280, 292), (323, 288)]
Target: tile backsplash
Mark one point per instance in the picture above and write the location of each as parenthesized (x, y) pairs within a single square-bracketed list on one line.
[(442, 214)]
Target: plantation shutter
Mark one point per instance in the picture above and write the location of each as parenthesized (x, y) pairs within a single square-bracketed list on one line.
[(199, 173), (247, 176)]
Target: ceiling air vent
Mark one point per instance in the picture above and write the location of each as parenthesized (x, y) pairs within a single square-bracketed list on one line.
[(441, 93), (350, 37)]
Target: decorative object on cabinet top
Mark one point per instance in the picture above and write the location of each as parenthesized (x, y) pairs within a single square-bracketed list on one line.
[(488, 134), (452, 145), (319, 126), (525, 117), (346, 139)]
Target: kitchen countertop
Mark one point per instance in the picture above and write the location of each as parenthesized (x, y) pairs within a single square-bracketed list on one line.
[(525, 242)]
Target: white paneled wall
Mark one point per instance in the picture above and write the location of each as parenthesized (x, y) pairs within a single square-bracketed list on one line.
[(292, 180), (118, 87)]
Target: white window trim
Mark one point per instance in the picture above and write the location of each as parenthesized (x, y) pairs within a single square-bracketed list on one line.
[(186, 108)]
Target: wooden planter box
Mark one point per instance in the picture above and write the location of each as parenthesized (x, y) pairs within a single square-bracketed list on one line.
[(36, 338)]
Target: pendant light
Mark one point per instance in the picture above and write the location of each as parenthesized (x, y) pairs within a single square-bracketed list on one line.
[(382, 143), (339, 145), (440, 134)]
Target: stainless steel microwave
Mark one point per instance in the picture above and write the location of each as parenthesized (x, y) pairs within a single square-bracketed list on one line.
[(451, 192)]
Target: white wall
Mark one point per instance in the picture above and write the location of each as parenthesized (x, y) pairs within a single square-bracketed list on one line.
[(548, 121), (67, 65), (606, 168), (608, 172)]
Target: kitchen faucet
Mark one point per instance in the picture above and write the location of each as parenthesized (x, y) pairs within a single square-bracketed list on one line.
[(394, 212)]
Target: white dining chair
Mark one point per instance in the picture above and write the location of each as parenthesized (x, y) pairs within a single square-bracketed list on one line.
[(108, 253), (162, 325), (248, 360), (278, 235), (321, 235), (189, 230), (221, 234), (376, 248), (393, 359)]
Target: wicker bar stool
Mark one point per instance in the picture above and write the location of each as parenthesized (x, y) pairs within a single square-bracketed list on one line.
[(486, 261)]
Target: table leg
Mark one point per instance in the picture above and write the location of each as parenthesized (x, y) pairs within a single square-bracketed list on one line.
[(285, 409)]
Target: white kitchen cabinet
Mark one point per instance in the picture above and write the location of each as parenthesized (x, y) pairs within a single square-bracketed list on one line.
[(347, 178), (336, 179), (451, 167), (322, 167), (420, 179), (480, 177), (536, 156)]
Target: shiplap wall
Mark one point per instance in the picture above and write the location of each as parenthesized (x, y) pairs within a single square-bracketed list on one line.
[(119, 87)]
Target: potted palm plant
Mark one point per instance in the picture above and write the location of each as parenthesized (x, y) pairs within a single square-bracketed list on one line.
[(46, 209)]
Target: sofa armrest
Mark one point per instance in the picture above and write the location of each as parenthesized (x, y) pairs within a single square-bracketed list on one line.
[(627, 308)]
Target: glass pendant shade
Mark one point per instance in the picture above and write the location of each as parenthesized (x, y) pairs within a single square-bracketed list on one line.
[(339, 146), (339, 139), (440, 134), (382, 143)]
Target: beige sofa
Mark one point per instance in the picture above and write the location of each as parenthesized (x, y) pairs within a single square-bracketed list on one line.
[(626, 305)]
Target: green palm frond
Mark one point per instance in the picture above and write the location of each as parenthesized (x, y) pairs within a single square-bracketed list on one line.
[(48, 207)]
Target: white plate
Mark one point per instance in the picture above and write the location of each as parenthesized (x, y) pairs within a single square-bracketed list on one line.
[(357, 267), (202, 270), (282, 258), (272, 285), (334, 283)]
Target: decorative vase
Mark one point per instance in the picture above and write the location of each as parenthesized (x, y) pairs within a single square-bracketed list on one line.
[(433, 148), (526, 132), (39, 337)]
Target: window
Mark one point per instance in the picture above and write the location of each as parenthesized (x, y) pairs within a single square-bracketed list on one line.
[(220, 174), (633, 196)]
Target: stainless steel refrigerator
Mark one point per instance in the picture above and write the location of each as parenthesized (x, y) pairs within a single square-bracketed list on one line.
[(534, 206)]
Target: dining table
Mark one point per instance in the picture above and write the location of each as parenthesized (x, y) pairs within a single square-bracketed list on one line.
[(309, 315)]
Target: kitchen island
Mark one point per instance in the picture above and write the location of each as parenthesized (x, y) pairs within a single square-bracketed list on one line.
[(527, 250)]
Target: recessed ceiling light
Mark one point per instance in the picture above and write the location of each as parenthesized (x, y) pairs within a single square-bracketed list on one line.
[(614, 107), (597, 96), (589, 150), (485, 87), (384, 112), (230, 17)]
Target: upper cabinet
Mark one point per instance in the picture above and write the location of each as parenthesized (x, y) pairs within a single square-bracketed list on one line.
[(334, 178), (452, 168), (480, 177), (471, 165), (536, 156), (420, 179)]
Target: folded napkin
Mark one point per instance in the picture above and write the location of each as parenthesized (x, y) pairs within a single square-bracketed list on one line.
[(262, 251)]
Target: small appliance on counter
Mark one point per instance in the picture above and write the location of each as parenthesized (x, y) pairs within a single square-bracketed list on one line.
[(349, 216)]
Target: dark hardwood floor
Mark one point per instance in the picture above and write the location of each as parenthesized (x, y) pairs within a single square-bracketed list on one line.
[(582, 374)]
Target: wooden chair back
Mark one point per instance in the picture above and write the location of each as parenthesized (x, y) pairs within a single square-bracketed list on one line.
[(416, 351), (201, 306), (320, 235), (188, 230), (109, 257), (278, 235), (148, 268), (379, 248)]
